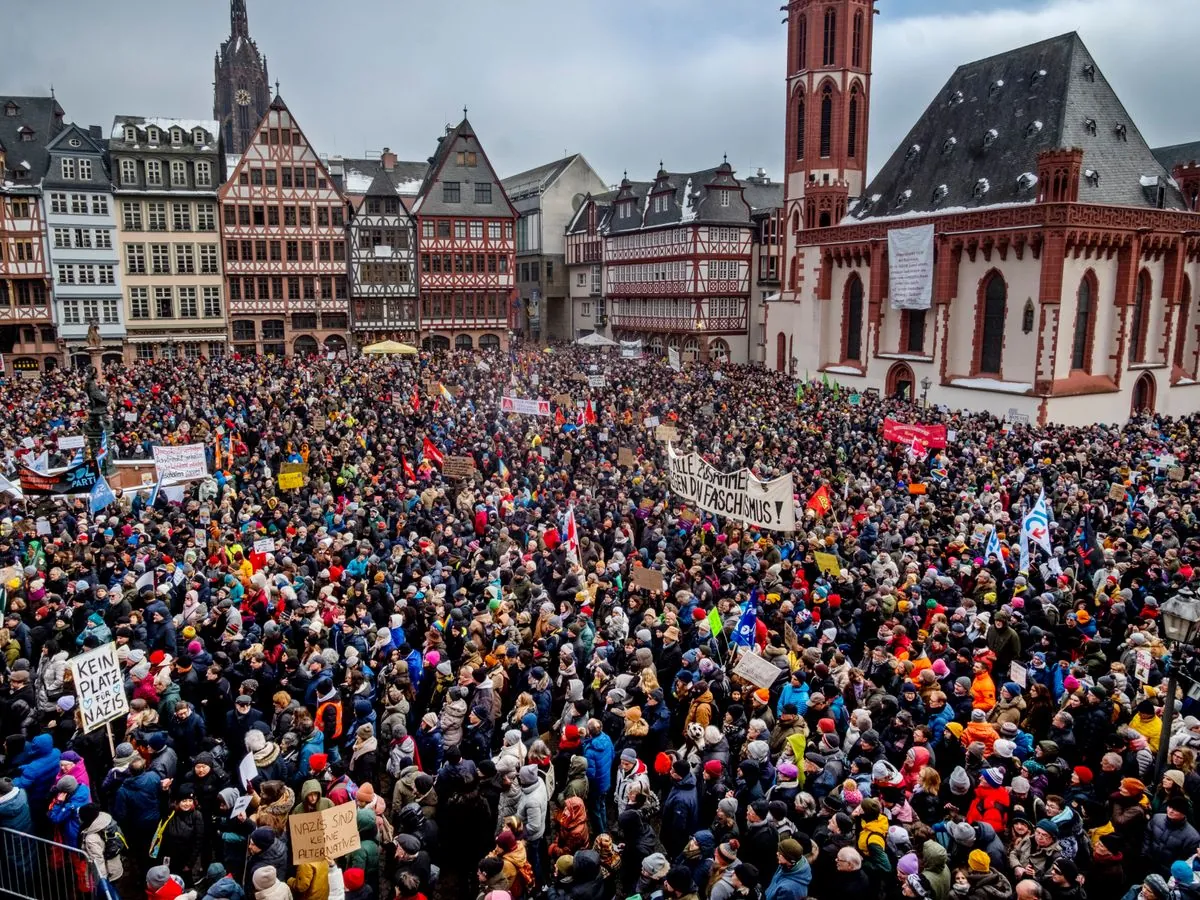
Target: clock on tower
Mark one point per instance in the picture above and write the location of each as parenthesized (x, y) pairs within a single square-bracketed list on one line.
[(242, 97)]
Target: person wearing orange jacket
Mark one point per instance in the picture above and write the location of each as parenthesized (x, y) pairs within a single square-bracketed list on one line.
[(983, 689)]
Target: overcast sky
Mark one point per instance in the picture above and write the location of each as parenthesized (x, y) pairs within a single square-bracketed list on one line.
[(625, 82)]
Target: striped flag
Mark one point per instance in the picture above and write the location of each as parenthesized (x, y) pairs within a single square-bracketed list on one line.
[(993, 548), (743, 635)]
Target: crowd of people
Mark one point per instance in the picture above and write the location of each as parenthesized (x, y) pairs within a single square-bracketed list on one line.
[(479, 666)]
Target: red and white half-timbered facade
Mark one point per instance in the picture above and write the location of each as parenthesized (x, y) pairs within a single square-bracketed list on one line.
[(467, 249), (283, 229)]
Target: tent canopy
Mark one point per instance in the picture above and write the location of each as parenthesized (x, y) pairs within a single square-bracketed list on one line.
[(595, 339), (384, 347)]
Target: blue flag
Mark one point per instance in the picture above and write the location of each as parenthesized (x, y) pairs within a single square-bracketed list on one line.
[(993, 548), (101, 495), (743, 635)]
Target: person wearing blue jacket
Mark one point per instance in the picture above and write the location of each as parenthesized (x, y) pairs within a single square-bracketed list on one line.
[(69, 796), (39, 770), (681, 809), (794, 692), (17, 862), (794, 874), (136, 806), (599, 752)]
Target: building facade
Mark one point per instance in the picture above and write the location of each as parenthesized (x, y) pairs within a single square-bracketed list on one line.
[(1064, 251), (241, 88), (27, 333), (546, 199), (77, 198), (466, 246), (283, 228), (382, 240), (585, 267), (167, 173)]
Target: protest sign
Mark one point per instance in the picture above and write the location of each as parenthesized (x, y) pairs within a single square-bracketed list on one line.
[(903, 433), (290, 481), (328, 834), (650, 579), (673, 359), (597, 381), (75, 481), (827, 563), (650, 422), (562, 400), (185, 462), (567, 457), (910, 267), (70, 442), (524, 407), (667, 434), (42, 526), (631, 349), (264, 545), (625, 457), (739, 495), (301, 467), (242, 805), (1175, 474), (1018, 674), (1116, 492), (247, 770), (758, 671), (99, 686), (458, 467)]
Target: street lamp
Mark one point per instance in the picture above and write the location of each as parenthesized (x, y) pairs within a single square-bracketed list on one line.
[(1180, 617), (926, 384)]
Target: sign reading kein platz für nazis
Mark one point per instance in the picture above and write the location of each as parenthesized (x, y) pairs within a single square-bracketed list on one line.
[(99, 686)]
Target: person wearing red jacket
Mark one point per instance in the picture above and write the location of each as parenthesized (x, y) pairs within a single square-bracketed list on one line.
[(991, 801)]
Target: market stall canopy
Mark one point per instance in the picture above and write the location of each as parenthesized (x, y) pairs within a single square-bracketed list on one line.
[(386, 347), (595, 339)]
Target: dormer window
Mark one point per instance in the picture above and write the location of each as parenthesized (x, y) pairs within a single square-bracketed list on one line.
[(995, 87), (176, 136), (27, 134), (912, 153), (11, 110), (939, 194), (955, 98), (1036, 78), (982, 186), (1026, 181), (725, 195), (1089, 72), (990, 137), (1033, 128), (152, 135), (198, 136), (130, 134), (949, 144), (1089, 125), (1122, 132)]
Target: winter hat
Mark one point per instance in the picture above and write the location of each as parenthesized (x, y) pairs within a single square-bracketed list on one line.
[(978, 715), (979, 861), (680, 880), (1182, 872), (366, 793), (870, 808), (758, 750), (1020, 785), (994, 776), (712, 767), (1084, 774), (790, 849), (318, 762), (157, 741), (263, 838), (908, 864), (728, 805), (728, 850), (528, 776), (960, 782), (852, 796), (1158, 886), (1004, 748), (125, 754), (215, 871), (963, 682), (354, 879), (1013, 688), (1067, 868), (1175, 776), (962, 833), (506, 841), (655, 866), (157, 877), (1132, 787), (630, 754), (1048, 826), (67, 784), (787, 771), (265, 878)]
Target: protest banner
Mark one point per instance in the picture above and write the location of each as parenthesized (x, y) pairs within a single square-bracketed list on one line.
[(597, 381), (458, 467), (264, 545), (758, 671), (328, 834), (185, 462), (625, 457), (738, 495), (631, 349), (301, 467), (673, 359), (99, 686), (903, 433), (74, 481), (827, 563), (650, 579), (910, 267), (71, 442), (666, 434), (290, 481), (521, 406)]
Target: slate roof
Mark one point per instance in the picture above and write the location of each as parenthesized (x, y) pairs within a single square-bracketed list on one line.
[(44, 116), (359, 174), (443, 167), (984, 130), (1177, 154), (538, 178)]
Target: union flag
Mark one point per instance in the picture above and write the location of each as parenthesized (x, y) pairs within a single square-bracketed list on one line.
[(819, 502)]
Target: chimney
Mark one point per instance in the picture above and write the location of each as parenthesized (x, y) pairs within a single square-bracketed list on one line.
[(96, 132), (336, 165), (388, 158)]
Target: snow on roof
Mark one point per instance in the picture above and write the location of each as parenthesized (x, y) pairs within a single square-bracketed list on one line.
[(1148, 181), (945, 211), (409, 186), (163, 124), (356, 182)]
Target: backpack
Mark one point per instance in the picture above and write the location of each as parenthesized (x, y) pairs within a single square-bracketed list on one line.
[(115, 845)]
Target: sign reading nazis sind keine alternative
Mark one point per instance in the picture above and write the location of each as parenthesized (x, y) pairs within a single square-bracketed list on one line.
[(739, 495), (182, 463), (99, 686), (329, 834)]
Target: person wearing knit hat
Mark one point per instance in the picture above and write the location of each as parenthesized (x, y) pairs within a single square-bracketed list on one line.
[(1004, 748), (1132, 787), (157, 878), (1175, 776), (1158, 887), (1049, 827), (992, 777), (679, 882), (907, 865), (1182, 872), (713, 767), (655, 867), (1082, 775), (960, 781)]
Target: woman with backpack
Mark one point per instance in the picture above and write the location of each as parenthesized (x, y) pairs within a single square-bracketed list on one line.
[(103, 844)]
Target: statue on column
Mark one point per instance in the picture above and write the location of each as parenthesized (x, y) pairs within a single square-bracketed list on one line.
[(98, 422)]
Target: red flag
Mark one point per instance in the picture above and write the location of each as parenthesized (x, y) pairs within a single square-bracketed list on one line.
[(416, 401), (819, 502), (559, 418), (572, 540), (431, 452), (409, 474), (589, 414)]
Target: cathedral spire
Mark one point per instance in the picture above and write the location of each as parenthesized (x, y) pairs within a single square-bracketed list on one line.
[(237, 19)]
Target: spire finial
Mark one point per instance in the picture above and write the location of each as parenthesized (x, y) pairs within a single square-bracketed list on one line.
[(725, 157), (464, 110), (276, 86)]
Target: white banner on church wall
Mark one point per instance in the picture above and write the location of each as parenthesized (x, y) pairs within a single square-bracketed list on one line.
[(739, 495), (910, 267)]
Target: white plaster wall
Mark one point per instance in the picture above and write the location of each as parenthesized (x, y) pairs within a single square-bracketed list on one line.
[(1022, 278)]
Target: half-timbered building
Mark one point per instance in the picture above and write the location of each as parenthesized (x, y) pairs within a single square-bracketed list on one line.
[(1063, 250), (466, 247), (382, 242), (27, 336), (283, 226)]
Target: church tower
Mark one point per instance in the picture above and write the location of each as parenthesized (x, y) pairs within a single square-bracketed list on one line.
[(241, 89)]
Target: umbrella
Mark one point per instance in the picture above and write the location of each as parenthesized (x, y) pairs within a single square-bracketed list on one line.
[(595, 339), (385, 347)]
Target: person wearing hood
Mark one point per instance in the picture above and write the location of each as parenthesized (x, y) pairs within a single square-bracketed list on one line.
[(264, 850), (577, 780), (935, 869), (267, 885), (367, 856), (312, 798), (93, 823), (66, 799), (221, 884), (50, 677), (794, 873), (454, 716), (39, 770)]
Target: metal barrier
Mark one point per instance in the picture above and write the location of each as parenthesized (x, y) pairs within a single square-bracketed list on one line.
[(33, 868)]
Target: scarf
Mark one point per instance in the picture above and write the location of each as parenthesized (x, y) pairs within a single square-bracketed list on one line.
[(362, 747)]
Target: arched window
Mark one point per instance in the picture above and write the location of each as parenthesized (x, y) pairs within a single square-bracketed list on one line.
[(852, 128), (1141, 319), (463, 342), (857, 41), (826, 121), (854, 317), (991, 347), (800, 128), (718, 350), (829, 50), (1083, 325), (1185, 308), (802, 43)]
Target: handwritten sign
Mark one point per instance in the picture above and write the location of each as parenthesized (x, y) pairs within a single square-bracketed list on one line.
[(756, 670), (1116, 492), (597, 381), (70, 442), (667, 434), (1175, 474), (185, 462), (650, 579), (290, 481), (458, 467), (329, 834), (264, 545), (99, 686), (625, 457)]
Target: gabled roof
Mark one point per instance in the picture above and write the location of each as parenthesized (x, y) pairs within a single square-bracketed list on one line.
[(359, 174), (538, 179), (443, 166), (603, 203), (693, 200), (977, 143), (43, 116), (1177, 155)]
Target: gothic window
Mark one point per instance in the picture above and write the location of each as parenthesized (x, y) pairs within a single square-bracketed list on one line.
[(1141, 319), (857, 41), (829, 49), (852, 131), (995, 298), (1083, 325), (800, 128), (826, 121), (854, 316), (802, 43), (1185, 308), (916, 331)]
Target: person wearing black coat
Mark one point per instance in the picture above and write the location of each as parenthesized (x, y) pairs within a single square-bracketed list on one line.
[(183, 836), (640, 841), (186, 730), (238, 723), (206, 780), (760, 841), (264, 848)]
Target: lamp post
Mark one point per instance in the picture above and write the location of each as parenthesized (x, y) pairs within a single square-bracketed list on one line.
[(926, 384), (1180, 617)]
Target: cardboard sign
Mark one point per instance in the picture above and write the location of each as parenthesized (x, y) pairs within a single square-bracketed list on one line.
[(756, 670), (264, 545), (827, 563), (650, 579), (71, 442), (666, 434), (1175, 474), (562, 400), (458, 467), (329, 834), (320, 423), (1117, 492), (1019, 674), (625, 457), (567, 457), (290, 481), (99, 686)]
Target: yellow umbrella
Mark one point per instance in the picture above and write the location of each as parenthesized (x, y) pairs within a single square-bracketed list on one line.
[(385, 347)]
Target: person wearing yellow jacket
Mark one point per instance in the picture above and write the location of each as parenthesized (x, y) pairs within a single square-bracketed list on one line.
[(1147, 724), (872, 840)]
